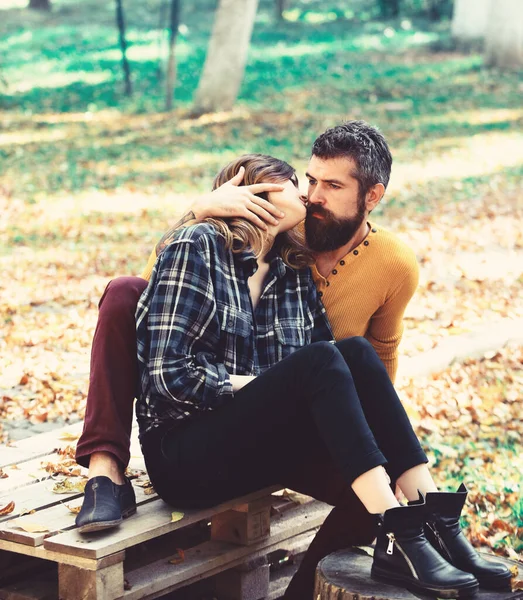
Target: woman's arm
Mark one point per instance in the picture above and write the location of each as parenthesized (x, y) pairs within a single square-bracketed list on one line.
[(178, 329)]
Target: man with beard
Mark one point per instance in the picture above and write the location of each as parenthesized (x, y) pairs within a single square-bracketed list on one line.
[(365, 276)]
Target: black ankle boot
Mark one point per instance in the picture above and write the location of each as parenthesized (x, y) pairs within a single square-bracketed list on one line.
[(445, 534), (403, 556)]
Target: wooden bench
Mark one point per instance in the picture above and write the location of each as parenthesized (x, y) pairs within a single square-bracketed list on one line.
[(155, 552)]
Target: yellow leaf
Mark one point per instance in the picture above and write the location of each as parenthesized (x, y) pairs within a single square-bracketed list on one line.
[(69, 487), (74, 509), (29, 527), (176, 516), (69, 437)]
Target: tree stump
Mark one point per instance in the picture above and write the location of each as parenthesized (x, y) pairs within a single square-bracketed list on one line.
[(345, 575)]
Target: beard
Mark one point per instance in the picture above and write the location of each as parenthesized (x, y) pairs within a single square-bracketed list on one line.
[(329, 233)]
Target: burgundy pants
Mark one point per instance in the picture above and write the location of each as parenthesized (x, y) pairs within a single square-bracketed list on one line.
[(109, 415)]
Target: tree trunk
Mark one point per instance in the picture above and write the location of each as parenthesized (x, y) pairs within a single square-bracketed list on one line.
[(226, 56), (123, 45), (280, 7), (504, 38), (174, 23), (40, 4), (469, 20), (389, 8)]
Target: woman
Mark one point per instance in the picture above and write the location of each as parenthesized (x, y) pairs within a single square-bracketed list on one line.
[(240, 388)]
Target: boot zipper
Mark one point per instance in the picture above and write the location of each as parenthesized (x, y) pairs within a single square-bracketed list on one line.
[(392, 541), (432, 526), (390, 546)]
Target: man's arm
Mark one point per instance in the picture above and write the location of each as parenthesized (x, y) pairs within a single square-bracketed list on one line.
[(386, 325)]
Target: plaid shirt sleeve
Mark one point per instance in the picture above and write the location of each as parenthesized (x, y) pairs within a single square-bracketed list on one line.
[(183, 329), (322, 331)]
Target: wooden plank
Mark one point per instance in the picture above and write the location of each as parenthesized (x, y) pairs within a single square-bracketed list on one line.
[(27, 473), (66, 559), (210, 558), (152, 521), (39, 495), (56, 519), (42, 444), (37, 445)]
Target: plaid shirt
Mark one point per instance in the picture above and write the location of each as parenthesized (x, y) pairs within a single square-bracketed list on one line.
[(195, 324)]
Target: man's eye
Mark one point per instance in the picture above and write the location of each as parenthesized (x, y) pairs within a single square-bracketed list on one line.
[(312, 181), (334, 186)]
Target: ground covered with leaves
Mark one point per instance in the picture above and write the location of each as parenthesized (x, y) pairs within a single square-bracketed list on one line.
[(91, 179)]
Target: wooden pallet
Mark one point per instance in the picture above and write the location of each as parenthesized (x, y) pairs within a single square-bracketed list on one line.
[(150, 554)]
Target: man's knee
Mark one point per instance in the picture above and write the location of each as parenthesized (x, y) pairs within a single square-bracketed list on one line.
[(121, 296)]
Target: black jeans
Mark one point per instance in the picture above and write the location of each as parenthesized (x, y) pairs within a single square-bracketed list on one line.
[(325, 400)]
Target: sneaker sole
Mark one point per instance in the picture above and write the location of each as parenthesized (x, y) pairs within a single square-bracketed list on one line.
[(411, 584), (102, 525)]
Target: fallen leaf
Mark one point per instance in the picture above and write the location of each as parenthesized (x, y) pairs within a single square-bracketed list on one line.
[(3, 475), (176, 516), (69, 437), (74, 509), (29, 527), (69, 487), (27, 511), (7, 509), (178, 558), (149, 490)]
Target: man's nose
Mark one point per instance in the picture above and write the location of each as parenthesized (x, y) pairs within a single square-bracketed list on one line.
[(315, 196)]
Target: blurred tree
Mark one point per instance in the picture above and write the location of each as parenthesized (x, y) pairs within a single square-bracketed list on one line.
[(174, 23), (389, 8), (40, 4), (280, 7), (469, 20), (123, 45), (504, 36), (224, 66)]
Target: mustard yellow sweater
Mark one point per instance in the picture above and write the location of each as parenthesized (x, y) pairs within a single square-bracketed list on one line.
[(367, 292)]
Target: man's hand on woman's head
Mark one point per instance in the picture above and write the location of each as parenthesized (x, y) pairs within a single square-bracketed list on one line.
[(234, 200)]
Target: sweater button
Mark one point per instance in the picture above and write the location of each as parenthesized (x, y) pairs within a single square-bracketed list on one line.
[(334, 272), (320, 294), (327, 283), (366, 243), (374, 230), (342, 263), (355, 253)]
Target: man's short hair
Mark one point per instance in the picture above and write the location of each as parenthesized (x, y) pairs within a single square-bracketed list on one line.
[(364, 144)]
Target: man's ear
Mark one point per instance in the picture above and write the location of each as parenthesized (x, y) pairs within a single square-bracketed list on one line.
[(374, 195)]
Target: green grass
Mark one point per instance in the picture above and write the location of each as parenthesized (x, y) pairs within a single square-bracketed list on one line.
[(328, 61)]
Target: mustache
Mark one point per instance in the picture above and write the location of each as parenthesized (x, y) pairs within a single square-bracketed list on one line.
[(316, 209)]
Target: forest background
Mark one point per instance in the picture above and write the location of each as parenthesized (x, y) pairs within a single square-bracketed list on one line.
[(93, 170)]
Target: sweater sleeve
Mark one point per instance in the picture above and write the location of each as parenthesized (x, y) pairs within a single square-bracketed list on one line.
[(386, 326)]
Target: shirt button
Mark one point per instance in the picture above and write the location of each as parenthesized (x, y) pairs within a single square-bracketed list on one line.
[(355, 253), (334, 272), (342, 262), (366, 243)]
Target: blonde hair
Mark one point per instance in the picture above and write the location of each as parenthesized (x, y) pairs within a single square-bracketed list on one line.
[(240, 234)]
